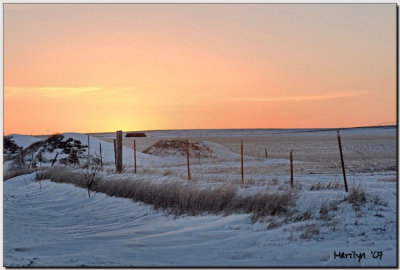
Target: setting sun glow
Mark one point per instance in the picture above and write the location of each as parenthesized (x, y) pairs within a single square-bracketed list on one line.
[(106, 67)]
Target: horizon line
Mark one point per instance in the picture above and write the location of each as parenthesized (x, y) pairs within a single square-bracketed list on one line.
[(315, 128)]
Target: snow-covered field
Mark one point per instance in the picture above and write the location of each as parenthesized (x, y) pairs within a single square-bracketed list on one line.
[(53, 224)]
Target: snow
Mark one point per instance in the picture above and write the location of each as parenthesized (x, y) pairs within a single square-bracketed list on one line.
[(254, 132), (52, 224), (23, 140), (58, 225)]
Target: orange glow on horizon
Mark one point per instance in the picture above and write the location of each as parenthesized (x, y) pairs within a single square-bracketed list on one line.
[(98, 68)]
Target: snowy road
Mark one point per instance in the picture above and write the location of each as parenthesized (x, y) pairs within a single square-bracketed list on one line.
[(58, 225)]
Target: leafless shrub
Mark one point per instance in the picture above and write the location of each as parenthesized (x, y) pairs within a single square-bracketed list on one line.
[(357, 197), (324, 211), (310, 231), (90, 176)]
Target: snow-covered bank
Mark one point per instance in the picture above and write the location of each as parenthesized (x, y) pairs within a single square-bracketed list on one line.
[(23, 140), (58, 225)]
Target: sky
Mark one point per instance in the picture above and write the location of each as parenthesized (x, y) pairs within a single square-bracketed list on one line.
[(106, 67)]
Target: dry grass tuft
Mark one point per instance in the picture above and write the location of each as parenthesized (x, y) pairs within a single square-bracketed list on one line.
[(274, 224), (331, 185), (324, 211), (307, 215), (274, 182), (57, 174), (179, 198), (357, 197), (310, 231), (17, 171), (167, 172)]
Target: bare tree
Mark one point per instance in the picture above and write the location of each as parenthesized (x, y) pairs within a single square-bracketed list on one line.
[(90, 176)]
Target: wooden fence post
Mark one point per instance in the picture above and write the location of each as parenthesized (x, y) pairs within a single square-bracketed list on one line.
[(291, 170), (187, 155), (241, 159), (88, 147), (118, 166), (341, 158), (115, 152), (101, 157), (266, 153), (134, 151)]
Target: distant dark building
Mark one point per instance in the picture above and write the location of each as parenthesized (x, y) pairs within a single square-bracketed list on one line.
[(135, 134)]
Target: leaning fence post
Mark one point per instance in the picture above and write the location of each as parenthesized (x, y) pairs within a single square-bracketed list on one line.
[(134, 152), (118, 166), (187, 156), (54, 160), (88, 147), (341, 158), (266, 153), (241, 159), (291, 170)]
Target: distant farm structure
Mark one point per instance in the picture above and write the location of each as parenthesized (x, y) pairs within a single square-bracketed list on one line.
[(135, 134)]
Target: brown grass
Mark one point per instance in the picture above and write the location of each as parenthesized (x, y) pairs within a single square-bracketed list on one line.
[(357, 197), (310, 231), (178, 146), (178, 199), (11, 173), (331, 185)]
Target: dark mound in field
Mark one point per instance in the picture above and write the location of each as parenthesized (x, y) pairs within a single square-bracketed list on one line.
[(178, 147), (135, 134)]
